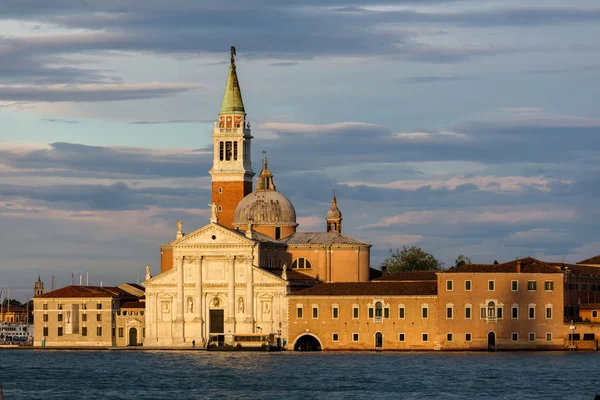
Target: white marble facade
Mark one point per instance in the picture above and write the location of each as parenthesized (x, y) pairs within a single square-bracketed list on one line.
[(214, 268)]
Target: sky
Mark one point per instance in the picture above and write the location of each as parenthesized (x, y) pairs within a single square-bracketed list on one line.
[(462, 127)]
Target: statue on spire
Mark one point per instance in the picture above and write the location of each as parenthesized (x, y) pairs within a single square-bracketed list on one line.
[(232, 56), (264, 159)]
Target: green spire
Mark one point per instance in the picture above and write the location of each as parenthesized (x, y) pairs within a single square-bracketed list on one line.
[(232, 99)]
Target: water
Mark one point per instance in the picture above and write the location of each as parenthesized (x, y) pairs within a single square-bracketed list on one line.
[(64, 375)]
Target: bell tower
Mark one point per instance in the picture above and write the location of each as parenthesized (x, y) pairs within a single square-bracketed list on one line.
[(232, 171), (334, 217)]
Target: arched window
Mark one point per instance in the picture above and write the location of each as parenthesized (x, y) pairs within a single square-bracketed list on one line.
[(378, 310), (491, 309), (301, 263)]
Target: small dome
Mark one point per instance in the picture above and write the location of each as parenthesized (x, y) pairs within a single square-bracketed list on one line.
[(265, 206), (334, 212)]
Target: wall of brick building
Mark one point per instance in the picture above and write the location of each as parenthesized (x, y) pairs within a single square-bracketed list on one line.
[(347, 264), (229, 198)]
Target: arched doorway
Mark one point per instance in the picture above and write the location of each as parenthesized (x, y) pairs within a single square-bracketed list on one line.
[(307, 343), (133, 337), (491, 341), (378, 340)]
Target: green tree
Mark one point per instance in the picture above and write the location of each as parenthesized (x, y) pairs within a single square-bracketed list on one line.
[(462, 260), (13, 303), (411, 259)]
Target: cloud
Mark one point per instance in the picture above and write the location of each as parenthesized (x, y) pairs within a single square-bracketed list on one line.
[(91, 92), (435, 79), (430, 136), (500, 215), (284, 64)]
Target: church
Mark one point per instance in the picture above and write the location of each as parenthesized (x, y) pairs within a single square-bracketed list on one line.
[(229, 280)]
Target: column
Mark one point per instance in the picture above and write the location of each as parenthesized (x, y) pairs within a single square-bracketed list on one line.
[(328, 275), (250, 295), (180, 304), (198, 300), (231, 291), (358, 265)]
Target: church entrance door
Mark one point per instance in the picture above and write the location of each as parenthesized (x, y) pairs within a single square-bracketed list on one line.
[(217, 321), (133, 337)]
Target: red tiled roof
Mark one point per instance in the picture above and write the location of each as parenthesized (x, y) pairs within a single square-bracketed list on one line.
[(576, 269), (409, 276), (371, 289), (85, 291), (528, 265), (591, 306), (133, 304), (593, 261), (14, 309)]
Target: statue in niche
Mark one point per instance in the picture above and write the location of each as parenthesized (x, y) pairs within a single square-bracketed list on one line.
[(266, 308), (216, 302), (241, 305), (190, 305), (165, 306), (148, 275)]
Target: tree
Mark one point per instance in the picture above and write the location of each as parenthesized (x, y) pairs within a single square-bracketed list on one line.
[(496, 262), (462, 260), (13, 303), (411, 259)]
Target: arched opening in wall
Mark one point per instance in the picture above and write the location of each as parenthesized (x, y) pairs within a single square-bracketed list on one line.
[(301, 263), (491, 341), (307, 343), (133, 337), (378, 340)]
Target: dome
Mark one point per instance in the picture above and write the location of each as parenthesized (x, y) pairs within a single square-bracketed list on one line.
[(265, 206), (334, 212)]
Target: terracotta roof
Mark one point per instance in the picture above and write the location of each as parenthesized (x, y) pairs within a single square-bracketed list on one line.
[(593, 261), (528, 265), (133, 304), (85, 291), (14, 309), (371, 289), (292, 275), (409, 276), (326, 238), (591, 306), (576, 269)]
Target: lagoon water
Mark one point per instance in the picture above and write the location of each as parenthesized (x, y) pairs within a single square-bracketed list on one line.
[(49, 375)]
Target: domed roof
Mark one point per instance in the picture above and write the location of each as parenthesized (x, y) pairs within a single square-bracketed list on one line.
[(265, 206)]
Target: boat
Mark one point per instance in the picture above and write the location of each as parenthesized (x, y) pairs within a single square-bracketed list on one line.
[(15, 334)]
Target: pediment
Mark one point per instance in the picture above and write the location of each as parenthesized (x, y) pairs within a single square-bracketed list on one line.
[(212, 234), (262, 276), (166, 278)]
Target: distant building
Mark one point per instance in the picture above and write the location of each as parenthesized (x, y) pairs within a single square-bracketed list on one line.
[(90, 316), (38, 289), (14, 314)]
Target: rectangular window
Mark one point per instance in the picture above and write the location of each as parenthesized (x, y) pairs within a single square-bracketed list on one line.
[(227, 151), (531, 337), (499, 313), (299, 312), (98, 317), (84, 331), (60, 317), (468, 286), (60, 306), (401, 312), (355, 312), (370, 312), (468, 312), (425, 337), (235, 145), (491, 286), (45, 331), (98, 306), (449, 285), (576, 337), (401, 337), (531, 285), (121, 332), (355, 337), (83, 317), (84, 306), (449, 312), (60, 331), (45, 317), (548, 337), (315, 312), (467, 337), (515, 312), (595, 314), (335, 312), (449, 337), (514, 286), (589, 336), (99, 331), (531, 312), (44, 306), (424, 312), (221, 151), (548, 312), (549, 285), (482, 313), (515, 337), (386, 312), (277, 232), (335, 337)]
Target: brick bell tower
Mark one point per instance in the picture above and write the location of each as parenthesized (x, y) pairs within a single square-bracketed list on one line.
[(232, 171)]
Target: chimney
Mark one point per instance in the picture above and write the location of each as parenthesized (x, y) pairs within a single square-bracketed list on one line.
[(383, 270), (518, 266)]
